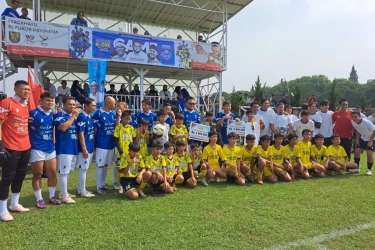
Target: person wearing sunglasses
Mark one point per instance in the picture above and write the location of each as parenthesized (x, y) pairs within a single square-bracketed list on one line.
[(191, 115), (79, 20)]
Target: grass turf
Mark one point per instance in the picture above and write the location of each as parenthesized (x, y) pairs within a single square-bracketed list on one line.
[(220, 216)]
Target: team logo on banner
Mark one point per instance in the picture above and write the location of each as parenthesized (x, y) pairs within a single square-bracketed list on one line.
[(14, 37)]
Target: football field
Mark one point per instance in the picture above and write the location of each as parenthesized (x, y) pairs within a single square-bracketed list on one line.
[(336, 212)]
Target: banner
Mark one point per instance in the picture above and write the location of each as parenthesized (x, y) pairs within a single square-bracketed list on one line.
[(199, 132), (253, 129), (87, 43), (97, 74), (28, 37)]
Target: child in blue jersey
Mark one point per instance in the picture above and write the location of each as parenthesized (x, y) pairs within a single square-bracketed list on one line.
[(145, 114), (191, 115), (66, 144), (105, 121), (43, 149), (222, 119), (85, 127), (170, 114)]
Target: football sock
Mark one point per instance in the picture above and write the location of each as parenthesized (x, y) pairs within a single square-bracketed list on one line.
[(115, 174), (98, 173), (3, 206), (104, 174), (204, 174), (142, 185), (177, 182), (82, 180), (356, 161), (260, 176), (64, 185), (369, 165), (15, 199), (52, 191), (38, 194)]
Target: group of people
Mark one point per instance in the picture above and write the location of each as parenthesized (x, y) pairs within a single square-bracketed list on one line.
[(156, 149)]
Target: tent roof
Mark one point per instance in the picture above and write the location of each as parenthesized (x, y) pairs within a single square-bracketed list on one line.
[(197, 15)]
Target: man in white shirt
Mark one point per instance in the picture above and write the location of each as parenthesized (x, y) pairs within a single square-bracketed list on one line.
[(371, 118), (63, 90), (303, 123), (365, 134), (49, 87), (165, 94), (266, 112), (137, 55), (281, 122), (359, 110), (257, 118), (326, 128)]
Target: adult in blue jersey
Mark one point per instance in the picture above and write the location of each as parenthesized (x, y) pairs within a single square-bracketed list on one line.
[(66, 144), (43, 149), (85, 127), (191, 115), (222, 119), (105, 121), (12, 10)]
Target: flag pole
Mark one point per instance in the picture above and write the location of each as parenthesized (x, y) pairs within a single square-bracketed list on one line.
[(37, 80)]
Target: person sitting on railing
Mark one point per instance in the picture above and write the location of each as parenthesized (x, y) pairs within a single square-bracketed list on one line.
[(12, 10), (124, 94), (77, 92), (112, 91), (79, 20), (25, 12)]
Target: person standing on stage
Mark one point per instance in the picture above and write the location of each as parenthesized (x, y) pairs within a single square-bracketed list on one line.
[(66, 144), (105, 121), (342, 120), (43, 152), (14, 148), (86, 145)]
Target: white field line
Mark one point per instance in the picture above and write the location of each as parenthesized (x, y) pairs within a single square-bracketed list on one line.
[(316, 240)]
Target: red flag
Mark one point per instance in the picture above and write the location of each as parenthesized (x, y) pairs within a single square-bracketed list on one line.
[(36, 91)]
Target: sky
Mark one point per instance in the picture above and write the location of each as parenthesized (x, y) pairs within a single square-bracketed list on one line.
[(293, 38)]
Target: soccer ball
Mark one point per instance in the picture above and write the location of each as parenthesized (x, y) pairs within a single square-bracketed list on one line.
[(158, 130)]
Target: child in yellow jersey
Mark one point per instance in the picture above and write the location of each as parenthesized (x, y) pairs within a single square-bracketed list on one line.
[(319, 154), (293, 154), (123, 135), (231, 158), (338, 156), (133, 173), (265, 165), (172, 164), (197, 161), (178, 130), (157, 165), (142, 137), (281, 168), (212, 156), (247, 158), (186, 167)]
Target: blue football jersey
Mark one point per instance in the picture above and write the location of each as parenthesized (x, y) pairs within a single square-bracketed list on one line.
[(66, 142), (104, 123), (86, 124), (220, 115), (151, 117), (191, 117), (41, 130)]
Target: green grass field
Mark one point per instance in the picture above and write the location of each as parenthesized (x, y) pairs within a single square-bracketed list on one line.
[(220, 216)]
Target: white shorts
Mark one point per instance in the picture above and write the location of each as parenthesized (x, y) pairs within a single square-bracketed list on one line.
[(66, 163), (104, 157), (82, 162), (39, 155)]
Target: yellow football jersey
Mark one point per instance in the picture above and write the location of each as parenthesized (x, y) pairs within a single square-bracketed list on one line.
[(155, 164), (305, 149), (278, 155), (196, 162), (179, 131), (265, 154), (320, 155), (247, 155), (171, 164), (231, 155), (338, 153), (293, 154), (142, 144), (212, 155), (134, 169), (184, 161), (125, 134)]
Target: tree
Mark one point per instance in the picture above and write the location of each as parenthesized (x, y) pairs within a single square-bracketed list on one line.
[(365, 105), (295, 97), (333, 95), (235, 101), (353, 75), (259, 90)]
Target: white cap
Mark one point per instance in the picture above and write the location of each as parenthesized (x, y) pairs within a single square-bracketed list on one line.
[(94, 83), (119, 42)]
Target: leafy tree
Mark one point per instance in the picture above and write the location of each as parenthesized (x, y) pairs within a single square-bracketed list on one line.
[(353, 75), (333, 95), (365, 105), (259, 90), (235, 101), (295, 97)]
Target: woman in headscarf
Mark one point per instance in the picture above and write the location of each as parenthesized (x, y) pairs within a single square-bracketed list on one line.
[(124, 94)]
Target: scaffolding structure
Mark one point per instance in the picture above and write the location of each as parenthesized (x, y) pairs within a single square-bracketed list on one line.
[(208, 18)]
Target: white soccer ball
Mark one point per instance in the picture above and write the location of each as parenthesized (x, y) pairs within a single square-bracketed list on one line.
[(158, 130)]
